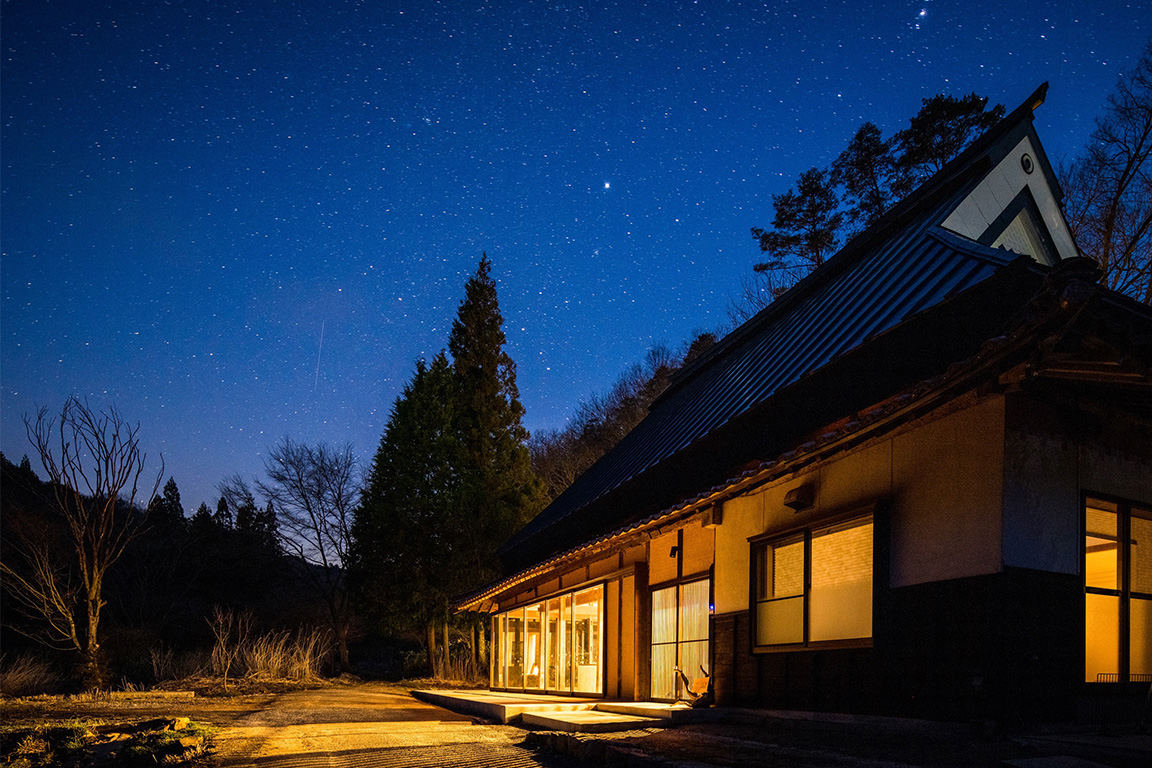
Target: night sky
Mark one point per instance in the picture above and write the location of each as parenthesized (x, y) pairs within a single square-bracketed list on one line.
[(238, 221)]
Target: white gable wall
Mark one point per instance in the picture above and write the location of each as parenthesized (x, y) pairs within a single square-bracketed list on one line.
[(999, 188)]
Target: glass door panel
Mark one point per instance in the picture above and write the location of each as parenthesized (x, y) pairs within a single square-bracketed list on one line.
[(679, 636), (556, 625), (534, 646), (664, 643), (567, 658), (515, 645), (586, 612)]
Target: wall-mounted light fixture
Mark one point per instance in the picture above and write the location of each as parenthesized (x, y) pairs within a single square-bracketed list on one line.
[(801, 497), (674, 551)]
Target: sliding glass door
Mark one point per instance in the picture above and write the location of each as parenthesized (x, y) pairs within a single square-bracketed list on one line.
[(551, 646), (679, 636)]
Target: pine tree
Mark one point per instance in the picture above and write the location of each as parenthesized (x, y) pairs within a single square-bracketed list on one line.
[(871, 174), (202, 520), (166, 509), (804, 229), (941, 129)]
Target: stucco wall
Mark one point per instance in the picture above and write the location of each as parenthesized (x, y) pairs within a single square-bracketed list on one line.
[(947, 491), (944, 478)]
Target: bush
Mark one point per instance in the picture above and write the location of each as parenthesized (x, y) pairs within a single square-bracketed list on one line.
[(26, 676)]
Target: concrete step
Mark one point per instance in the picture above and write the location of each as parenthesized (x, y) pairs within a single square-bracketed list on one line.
[(590, 721), (668, 713), (501, 707)]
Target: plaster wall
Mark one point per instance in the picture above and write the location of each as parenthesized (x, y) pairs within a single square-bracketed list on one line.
[(1107, 470), (947, 492), (945, 478), (985, 203), (1041, 498)]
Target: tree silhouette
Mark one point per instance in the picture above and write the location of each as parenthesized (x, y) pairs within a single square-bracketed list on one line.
[(1108, 190), (94, 466)]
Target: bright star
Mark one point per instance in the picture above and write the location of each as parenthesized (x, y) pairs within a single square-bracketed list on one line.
[(607, 185)]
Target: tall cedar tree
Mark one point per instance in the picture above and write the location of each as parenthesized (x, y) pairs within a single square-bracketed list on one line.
[(405, 559), (451, 480), (498, 489), (1108, 190)]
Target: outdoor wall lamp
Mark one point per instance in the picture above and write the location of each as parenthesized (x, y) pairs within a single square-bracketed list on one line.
[(674, 551)]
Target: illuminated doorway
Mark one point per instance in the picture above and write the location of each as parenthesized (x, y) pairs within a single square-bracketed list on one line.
[(679, 636)]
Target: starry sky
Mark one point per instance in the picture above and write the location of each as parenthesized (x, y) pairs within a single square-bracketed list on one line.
[(240, 220)]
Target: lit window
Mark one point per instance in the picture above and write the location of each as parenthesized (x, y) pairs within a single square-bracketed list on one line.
[(814, 586), (1117, 592), (552, 645)]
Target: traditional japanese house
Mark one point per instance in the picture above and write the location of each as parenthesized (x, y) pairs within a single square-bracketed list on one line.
[(920, 482)]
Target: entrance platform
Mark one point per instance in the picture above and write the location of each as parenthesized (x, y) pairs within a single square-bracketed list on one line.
[(566, 713)]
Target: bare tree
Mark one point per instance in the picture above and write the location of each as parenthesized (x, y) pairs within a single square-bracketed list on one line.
[(314, 490), (1108, 190), (94, 467)]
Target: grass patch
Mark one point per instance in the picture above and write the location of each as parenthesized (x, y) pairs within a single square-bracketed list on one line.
[(87, 741), (45, 744)]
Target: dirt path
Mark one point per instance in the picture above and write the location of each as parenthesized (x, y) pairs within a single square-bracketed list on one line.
[(372, 725)]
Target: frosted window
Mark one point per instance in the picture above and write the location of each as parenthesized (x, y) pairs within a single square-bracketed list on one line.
[(1100, 553), (1101, 635), (816, 587), (1140, 637), (780, 621), (840, 600)]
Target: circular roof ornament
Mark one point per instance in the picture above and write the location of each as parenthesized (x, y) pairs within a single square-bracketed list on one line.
[(1026, 163)]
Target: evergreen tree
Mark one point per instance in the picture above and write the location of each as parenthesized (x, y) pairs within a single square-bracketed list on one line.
[(499, 491), (404, 558), (941, 129), (451, 480), (266, 529), (202, 520), (804, 229), (166, 509), (223, 515), (875, 173), (871, 174)]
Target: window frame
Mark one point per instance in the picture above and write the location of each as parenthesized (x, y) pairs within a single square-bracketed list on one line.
[(501, 616), (1125, 511), (805, 532)]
